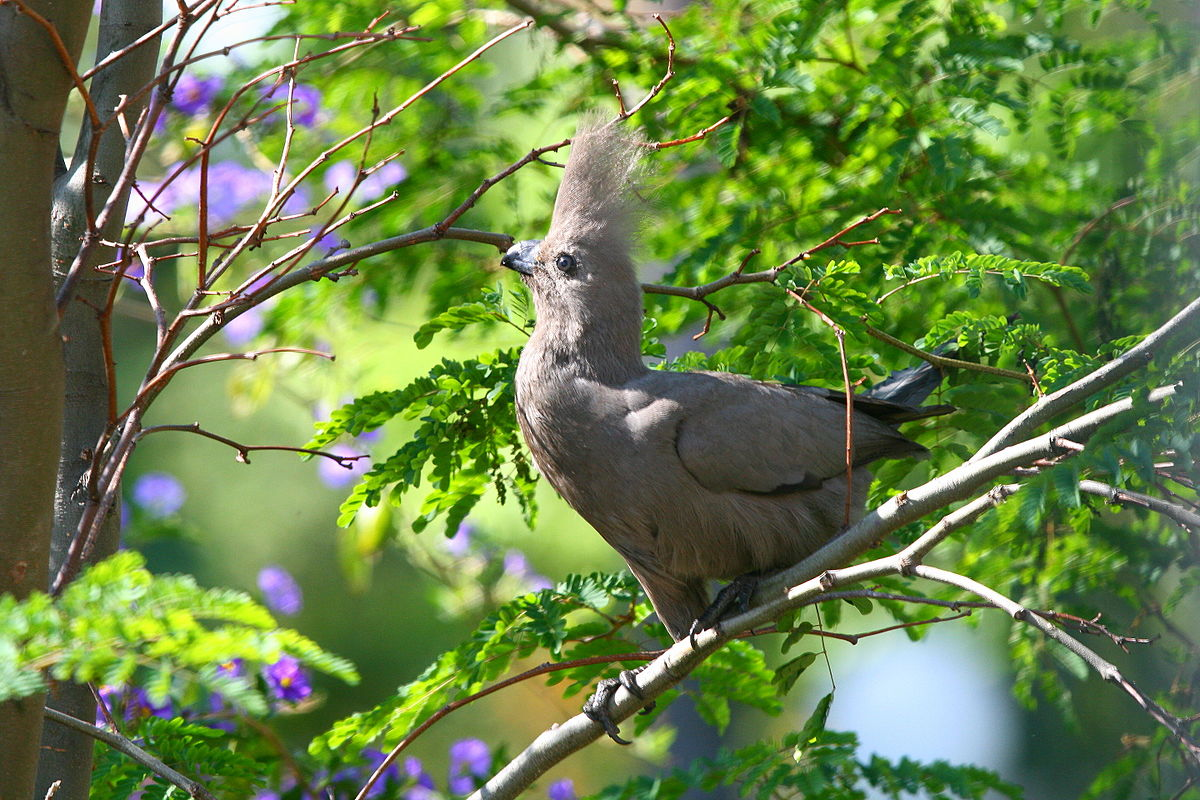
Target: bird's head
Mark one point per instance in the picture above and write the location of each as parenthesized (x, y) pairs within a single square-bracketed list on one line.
[(585, 257)]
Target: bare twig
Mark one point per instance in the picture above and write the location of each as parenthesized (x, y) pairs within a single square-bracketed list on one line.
[(695, 137), (1106, 670), (64, 57), (123, 745), (658, 87), (165, 375), (1125, 497), (767, 275), (848, 425), (943, 361), (244, 450)]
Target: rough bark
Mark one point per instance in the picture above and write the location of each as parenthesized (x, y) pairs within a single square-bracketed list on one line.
[(34, 85)]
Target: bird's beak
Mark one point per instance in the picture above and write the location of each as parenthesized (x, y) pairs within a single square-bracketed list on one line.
[(520, 256)]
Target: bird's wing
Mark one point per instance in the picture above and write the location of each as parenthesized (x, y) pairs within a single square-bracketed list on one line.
[(735, 434)]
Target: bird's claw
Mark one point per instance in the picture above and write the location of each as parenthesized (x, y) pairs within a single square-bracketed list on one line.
[(597, 708), (734, 595)]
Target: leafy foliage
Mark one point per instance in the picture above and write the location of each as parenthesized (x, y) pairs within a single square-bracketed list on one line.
[(815, 762), (545, 620), (467, 434), (118, 620), (193, 748), (1035, 163)]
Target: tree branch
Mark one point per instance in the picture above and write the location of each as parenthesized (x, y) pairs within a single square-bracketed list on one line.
[(810, 578), (123, 745), (1124, 497), (767, 275), (244, 450), (1184, 325), (1106, 670)]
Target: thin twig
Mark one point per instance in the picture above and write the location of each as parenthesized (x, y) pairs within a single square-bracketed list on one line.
[(658, 87), (848, 425), (695, 137), (943, 361), (244, 450), (767, 275), (64, 57), (140, 756), (1106, 670), (252, 355)]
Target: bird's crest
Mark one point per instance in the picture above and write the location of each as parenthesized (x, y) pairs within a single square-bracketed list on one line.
[(596, 199)]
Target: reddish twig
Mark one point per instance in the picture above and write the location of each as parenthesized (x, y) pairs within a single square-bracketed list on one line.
[(940, 360), (694, 137), (840, 333), (767, 275), (488, 183), (454, 705), (64, 57), (244, 450), (658, 87), (162, 377)]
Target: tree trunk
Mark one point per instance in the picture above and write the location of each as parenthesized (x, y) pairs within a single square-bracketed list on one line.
[(34, 84), (66, 753)]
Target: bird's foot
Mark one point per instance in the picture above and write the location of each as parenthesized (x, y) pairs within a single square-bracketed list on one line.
[(734, 595), (598, 706)]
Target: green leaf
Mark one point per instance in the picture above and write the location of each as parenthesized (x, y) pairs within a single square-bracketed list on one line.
[(786, 675)]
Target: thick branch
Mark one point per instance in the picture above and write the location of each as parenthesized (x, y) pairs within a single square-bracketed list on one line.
[(1183, 326)]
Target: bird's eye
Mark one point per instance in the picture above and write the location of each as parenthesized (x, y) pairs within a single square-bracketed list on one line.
[(565, 262)]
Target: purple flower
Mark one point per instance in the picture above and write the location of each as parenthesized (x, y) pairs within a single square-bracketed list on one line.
[(193, 95), (287, 680), (460, 543), (138, 704), (305, 100), (233, 668), (336, 476), (517, 565), (232, 187), (280, 590), (329, 243), (561, 790), (366, 437), (415, 771), (392, 773), (158, 494), (243, 328), (110, 696), (340, 176), (474, 756)]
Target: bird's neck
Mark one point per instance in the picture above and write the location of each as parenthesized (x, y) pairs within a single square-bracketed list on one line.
[(602, 342)]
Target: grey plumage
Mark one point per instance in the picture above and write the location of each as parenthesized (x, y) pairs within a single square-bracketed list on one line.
[(689, 476)]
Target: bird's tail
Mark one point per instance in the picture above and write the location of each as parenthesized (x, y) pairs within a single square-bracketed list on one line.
[(906, 389)]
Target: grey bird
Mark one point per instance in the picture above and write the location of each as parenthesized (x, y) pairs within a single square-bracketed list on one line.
[(690, 476)]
